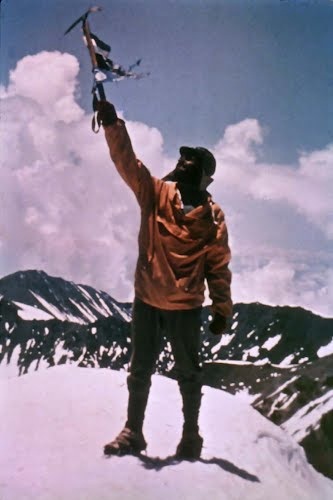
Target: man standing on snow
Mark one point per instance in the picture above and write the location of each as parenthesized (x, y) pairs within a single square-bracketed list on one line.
[(183, 240)]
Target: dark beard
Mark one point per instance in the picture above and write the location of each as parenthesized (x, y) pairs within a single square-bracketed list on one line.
[(191, 195), (190, 176)]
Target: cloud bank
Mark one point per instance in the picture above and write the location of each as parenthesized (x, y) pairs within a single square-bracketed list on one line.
[(64, 209), (306, 187)]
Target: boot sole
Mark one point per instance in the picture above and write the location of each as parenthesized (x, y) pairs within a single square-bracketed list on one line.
[(111, 450), (188, 456)]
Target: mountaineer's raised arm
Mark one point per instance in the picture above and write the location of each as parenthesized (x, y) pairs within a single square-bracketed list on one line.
[(134, 173)]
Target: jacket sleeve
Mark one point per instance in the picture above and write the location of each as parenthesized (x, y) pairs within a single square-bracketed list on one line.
[(134, 173), (217, 272)]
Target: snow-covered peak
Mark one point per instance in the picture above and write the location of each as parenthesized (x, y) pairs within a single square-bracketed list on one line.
[(59, 299), (52, 446)]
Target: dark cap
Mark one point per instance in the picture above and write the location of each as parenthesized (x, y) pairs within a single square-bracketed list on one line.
[(206, 158)]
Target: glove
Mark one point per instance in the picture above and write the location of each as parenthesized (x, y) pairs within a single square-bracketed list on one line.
[(218, 325), (106, 113)]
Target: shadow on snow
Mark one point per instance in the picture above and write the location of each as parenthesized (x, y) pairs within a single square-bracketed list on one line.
[(157, 464)]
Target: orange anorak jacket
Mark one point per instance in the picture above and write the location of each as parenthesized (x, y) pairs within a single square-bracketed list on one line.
[(177, 251)]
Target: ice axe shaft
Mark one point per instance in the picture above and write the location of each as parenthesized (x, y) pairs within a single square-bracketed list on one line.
[(86, 31)]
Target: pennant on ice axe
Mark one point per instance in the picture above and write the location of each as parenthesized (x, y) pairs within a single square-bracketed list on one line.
[(102, 51), (106, 70), (103, 68)]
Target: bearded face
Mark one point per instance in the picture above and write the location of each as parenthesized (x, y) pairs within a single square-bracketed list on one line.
[(188, 171)]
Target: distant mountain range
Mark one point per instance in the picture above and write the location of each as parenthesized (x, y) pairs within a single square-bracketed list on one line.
[(280, 358)]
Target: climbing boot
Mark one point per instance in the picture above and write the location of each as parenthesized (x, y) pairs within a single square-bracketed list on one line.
[(127, 442), (190, 446)]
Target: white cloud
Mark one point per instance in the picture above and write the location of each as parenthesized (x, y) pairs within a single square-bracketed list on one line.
[(308, 187), (239, 141), (287, 279), (48, 79), (64, 209)]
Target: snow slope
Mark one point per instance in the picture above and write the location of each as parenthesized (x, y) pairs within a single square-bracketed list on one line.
[(309, 416), (53, 424)]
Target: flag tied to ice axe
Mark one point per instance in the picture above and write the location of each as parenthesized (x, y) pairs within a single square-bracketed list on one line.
[(104, 69)]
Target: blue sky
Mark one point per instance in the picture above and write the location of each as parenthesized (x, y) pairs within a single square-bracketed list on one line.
[(212, 62), (252, 80)]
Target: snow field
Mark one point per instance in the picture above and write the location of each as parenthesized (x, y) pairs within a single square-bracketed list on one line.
[(54, 423)]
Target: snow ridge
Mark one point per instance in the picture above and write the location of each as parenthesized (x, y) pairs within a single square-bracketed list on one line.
[(244, 455)]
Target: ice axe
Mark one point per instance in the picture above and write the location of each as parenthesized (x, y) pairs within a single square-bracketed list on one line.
[(86, 32)]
